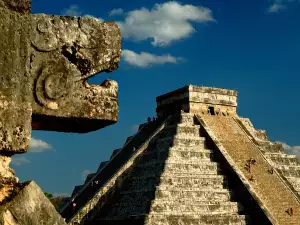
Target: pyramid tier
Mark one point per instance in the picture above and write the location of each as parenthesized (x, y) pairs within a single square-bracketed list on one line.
[(188, 194), (158, 167), (289, 172), (185, 141), (188, 129), (178, 180), (168, 207), (282, 159), (162, 219), (182, 154)]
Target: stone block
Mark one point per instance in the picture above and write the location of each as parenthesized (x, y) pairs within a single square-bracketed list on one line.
[(30, 207)]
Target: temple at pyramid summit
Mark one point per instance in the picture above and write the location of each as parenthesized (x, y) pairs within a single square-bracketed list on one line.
[(197, 163)]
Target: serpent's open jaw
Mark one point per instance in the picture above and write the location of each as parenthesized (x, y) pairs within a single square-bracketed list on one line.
[(65, 101)]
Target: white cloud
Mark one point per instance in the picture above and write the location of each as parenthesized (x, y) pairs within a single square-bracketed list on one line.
[(19, 160), (37, 146), (292, 150), (275, 8), (164, 23), (116, 12), (280, 5), (145, 59), (85, 173), (73, 10)]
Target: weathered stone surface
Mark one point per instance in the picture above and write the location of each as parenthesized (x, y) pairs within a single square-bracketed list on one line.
[(233, 142), (197, 100), (30, 206), (7, 178), (22, 6), (287, 165), (45, 63)]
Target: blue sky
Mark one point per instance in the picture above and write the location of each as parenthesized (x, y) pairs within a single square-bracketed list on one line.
[(251, 46)]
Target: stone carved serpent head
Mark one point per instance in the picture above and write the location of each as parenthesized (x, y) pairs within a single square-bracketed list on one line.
[(66, 51), (45, 64)]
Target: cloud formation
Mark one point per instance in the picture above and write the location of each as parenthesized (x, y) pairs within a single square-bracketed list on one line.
[(145, 59), (73, 10), (37, 146), (275, 8), (164, 23), (292, 150), (116, 12), (19, 160), (280, 5)]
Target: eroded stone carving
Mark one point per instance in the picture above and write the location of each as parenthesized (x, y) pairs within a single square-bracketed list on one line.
[(45, 63)]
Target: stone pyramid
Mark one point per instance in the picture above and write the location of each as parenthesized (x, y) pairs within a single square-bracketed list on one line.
[(190, 167)]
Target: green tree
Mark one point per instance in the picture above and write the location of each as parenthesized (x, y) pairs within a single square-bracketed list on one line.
[(48, 195)]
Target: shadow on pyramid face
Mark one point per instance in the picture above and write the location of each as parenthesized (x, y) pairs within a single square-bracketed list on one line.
[(176, 172)]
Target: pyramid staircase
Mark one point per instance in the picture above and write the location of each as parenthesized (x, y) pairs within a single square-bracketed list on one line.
[(175, 181)]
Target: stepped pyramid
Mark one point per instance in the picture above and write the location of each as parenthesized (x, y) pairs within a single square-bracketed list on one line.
[(190, 167)]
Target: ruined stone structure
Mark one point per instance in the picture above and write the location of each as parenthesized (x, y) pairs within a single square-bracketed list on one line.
[(198, 163), (45, 62)]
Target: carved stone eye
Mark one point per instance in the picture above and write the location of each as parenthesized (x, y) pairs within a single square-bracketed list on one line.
[(57, 86), (43, 37), (54, 82), (44, 26)]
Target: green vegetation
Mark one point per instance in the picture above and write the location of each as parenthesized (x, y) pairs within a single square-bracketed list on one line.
[(56, 201), (48, 195)]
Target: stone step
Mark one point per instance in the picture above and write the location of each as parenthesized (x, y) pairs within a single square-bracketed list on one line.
[(279, 154), (295, 181), (272, 147), (176, 155), (191, 155), (180, 137), (179, 148), (289, 173), (178, 166), (187, 129), (190, 149), (295, 168), (215, 219), (185, 175), (283, 159), (186, 141), (188, 194), (159, 173), (178, 219), (183, 118), (169, 207), (216, 181)]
